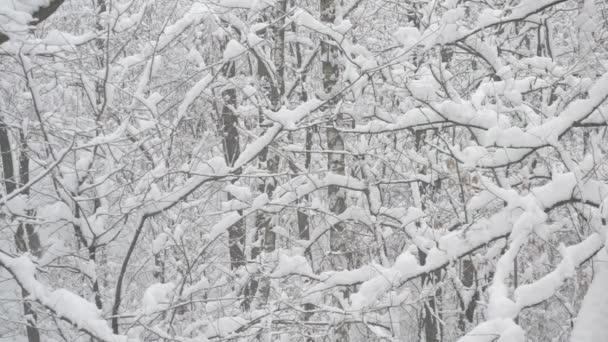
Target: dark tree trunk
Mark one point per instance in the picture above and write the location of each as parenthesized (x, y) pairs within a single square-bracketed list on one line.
[(232, 151), (276, 89), (26, 237), (335, 161), (432, 329)]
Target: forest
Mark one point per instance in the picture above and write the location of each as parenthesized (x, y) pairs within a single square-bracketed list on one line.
[(303, 170)]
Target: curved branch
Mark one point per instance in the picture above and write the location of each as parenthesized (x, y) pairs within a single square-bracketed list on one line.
[(62, 303)]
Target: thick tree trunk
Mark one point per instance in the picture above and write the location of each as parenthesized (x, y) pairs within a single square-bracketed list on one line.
[(302, 216), (26, 237), (468, 279), (276, 89), (432, 328), (335, 161), (303, 224), (7, 159), (232, 151), (268, 161), (430, 323)]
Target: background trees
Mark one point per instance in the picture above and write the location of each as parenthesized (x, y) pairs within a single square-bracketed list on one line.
[(306, 170)]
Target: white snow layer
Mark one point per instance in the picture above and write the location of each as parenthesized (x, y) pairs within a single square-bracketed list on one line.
[(592, 321), (68, 305), (16, 15)]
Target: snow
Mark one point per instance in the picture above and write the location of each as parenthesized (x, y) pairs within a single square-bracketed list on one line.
[(154, 160), (528, 7), (55, 212), (194, 15), (335, 278), (17, 205), (304, 185), (212, 169), (453, 15), (289, 265), (222, 226), (233, 49), (124, 23), (253, 40), (16, 15), (242, 193), (461, 112), (590, 323), (260, 201), (224, 326), (545, 287), (200, 285), (407, 36), (55, 37), (515, 142), (65, 304), (576, 111), (480, 200), (254, 148), (305, 19), (488, 16), (503, 330), (288, 118), (343, 27), (371, 289), (471, 155), (113, 137), (454, 245), (159, 243), (157, 297), (249, 4)]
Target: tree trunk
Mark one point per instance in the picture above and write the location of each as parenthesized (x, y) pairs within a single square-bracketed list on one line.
[(430, 323), (432, 328), (468, 279), (232, 151), (267, 161), (335, 161), (26, 237)]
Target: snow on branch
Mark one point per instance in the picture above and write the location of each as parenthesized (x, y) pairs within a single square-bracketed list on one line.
[(16, 16), (378, 280), (66, 305), (499, 146), (590, 323)]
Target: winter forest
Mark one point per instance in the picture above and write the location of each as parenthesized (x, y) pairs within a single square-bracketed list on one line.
[(303, 170)]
